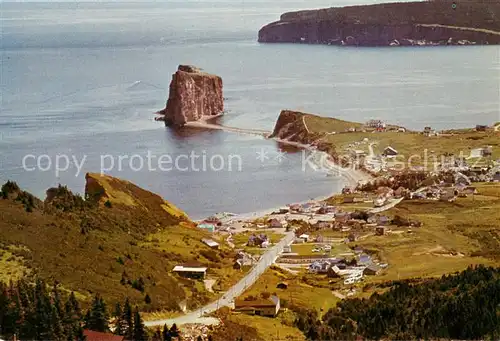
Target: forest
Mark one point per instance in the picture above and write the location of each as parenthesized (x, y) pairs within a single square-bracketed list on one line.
[(463, 306), (37, 312)]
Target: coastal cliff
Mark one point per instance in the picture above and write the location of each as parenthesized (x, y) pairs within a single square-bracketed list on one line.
[(291, 126), (193, 95), (392, 24)]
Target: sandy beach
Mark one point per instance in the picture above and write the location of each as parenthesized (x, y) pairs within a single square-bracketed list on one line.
[(351, 176)]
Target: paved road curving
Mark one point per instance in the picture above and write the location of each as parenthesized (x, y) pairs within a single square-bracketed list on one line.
[(264, 262)]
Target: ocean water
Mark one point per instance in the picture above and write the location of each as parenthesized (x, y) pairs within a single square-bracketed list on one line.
[(83, 79)]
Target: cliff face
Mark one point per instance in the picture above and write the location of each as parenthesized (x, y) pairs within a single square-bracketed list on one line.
[(331, 33), (406, 24), (193, 94), (291, 126)]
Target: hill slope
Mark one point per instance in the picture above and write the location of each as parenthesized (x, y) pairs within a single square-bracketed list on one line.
[(409, 23), (122, 241)]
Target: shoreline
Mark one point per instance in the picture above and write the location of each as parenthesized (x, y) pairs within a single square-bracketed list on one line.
[(350, 176)]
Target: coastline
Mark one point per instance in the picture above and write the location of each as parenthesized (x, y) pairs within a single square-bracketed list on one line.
[(351, 177)]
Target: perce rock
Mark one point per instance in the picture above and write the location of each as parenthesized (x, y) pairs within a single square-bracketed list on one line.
[(193, 95)]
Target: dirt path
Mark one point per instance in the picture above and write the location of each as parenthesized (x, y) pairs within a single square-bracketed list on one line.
[(304, 123), (206, 125), (482, 30)]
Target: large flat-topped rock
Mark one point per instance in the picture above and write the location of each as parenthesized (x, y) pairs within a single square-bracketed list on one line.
[(193, 95)]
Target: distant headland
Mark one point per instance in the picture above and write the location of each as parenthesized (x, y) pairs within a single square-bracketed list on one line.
[(429, 23)]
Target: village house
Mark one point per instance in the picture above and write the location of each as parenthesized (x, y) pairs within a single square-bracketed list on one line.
[(364, 259), (375, 124), (276, 223), (358, 154), (333, 272), (319, 267), (428, 131), (389, 151), (207, 227), (320, 224), (342, 217), (448, 194), (262, 307), (242, 262), (481, 152), (210, 243), (213, 220), (195, 271), (287, 249), (91, 335), (380, 230), (371, 270), (282, 285), (461, 179), (304, 237)]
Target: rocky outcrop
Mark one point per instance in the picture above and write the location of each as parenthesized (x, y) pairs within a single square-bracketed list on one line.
[(108, 190), (291, 126), (401, 24), (193, 95)]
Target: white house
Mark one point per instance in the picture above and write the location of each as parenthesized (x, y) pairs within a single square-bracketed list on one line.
[(305, 237), (211, 243), (389, 151)]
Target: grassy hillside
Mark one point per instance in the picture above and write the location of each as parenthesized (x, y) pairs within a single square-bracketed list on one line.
[(122, 241), (452, 237)]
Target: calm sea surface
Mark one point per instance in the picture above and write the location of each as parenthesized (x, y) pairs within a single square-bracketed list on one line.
[(83, 79)]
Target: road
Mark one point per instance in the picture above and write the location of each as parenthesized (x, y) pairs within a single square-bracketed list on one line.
[(371, 160), (264, 262)]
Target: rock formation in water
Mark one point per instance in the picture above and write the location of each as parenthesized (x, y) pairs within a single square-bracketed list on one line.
[(193, 95), (436, 22)]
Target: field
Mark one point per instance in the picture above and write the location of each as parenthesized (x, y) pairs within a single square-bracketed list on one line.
[(298, 293), (453, 236), (420, 147)]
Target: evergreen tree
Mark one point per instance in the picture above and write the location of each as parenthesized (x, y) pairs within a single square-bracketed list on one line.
[(147, 299), (174, 331), (97, 316), (119, 323), (10, 315), (42, 312), (166, 333), (128, 320), (56, 329), (72, 318), (139, 330)]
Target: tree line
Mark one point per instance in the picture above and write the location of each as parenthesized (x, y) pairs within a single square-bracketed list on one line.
[(461, 306), (38, 312)]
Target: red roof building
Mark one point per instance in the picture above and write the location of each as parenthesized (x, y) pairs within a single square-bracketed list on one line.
[(98, 336)]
